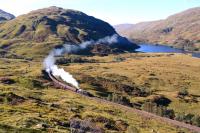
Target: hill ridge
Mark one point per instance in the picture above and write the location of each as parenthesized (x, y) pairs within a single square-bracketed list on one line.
[(179, 30), (54, 26), (4, 16)]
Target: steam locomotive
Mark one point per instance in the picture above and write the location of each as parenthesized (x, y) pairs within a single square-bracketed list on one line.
[(49, 76)]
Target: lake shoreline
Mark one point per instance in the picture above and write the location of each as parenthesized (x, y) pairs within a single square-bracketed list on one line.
[(159, 48)]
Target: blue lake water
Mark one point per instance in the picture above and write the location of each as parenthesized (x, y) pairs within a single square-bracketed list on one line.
[(148, 48)]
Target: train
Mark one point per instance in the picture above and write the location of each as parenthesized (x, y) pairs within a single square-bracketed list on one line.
[(49, 75)]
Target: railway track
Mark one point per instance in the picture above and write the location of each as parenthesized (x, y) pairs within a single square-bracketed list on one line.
[(129, 109)]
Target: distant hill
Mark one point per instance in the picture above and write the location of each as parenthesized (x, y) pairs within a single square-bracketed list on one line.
[(4, 16), (180, 30), (123, 28), (40, 30)]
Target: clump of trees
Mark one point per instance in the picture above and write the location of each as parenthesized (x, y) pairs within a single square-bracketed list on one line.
[(189, 118), (163, 111), (158, 110), (114, 97)]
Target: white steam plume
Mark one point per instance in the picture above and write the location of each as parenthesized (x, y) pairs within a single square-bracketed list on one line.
[(65, 76), (49, 61)]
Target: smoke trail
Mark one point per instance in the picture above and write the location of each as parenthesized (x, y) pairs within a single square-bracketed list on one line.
[(49, 61), (65, 76)]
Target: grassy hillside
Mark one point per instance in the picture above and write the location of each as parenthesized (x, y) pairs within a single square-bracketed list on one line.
[(43, 29), (151, 82), (29, 103), (156, 74), (123, 28), (179, 30)]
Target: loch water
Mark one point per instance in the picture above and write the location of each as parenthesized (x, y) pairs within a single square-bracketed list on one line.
[(150, 48)]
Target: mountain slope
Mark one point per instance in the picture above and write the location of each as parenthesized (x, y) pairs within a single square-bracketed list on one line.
[(123, 28), (53, 25), (5, 16), (180, 30)]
